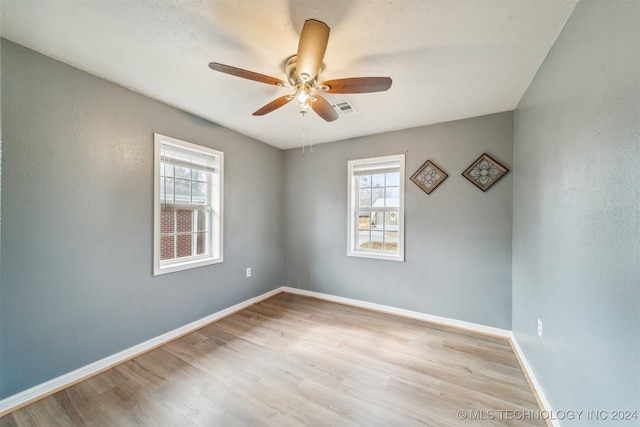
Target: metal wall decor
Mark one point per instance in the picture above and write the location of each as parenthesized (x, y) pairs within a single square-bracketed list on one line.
[(428, 177), (485, 172)]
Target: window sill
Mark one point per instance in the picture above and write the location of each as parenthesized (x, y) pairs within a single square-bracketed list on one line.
[(184, 265), (398, 258)]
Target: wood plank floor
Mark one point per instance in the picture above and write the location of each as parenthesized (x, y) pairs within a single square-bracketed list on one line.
[(292, 361)]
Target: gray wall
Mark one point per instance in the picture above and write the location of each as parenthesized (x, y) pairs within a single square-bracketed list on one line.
[(77, 220), (576, 250), (0, 204), (458, 239)]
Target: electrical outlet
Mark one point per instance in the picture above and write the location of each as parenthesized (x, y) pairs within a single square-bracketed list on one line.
[(248, 272), (540, 328)]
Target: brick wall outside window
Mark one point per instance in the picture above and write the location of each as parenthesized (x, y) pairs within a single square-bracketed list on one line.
[(170, 219)]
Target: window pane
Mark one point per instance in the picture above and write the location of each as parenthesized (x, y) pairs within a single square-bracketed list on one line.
[(363, 240), (166, 190), (376, 221), (201, 220), (201, 243), (184, 245), (184, 220), (365, 181), (182, 172), (183, 191), (199, 175), (377, 197), (167, 170), (365, 198), (167, 217), (166, 247), (378, 180), (392, 198), (364, 220), (391, 241), (199, 193), (377, 238), (390, 231), (391, 221), (393, 179)]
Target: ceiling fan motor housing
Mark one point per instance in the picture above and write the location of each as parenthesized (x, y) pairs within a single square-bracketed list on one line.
[(293, 76)]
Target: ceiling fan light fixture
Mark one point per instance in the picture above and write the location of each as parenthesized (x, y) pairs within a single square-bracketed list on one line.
[(302, 94)]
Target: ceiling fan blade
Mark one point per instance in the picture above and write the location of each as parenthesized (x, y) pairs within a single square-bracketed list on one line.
[(357, 85), (311, 49), (322, 107), (245, 74), (273, 105)]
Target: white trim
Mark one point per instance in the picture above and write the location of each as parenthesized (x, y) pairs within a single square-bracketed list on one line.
[(375, 163), (49, 387), (475, 327), (535, 384), (215, 237)]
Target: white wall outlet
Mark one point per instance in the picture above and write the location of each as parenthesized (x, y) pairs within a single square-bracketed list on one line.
[(248, 272), (540, 328)]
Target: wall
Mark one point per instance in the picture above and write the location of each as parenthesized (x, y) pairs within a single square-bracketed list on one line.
[(458, 239), (77, 221), (576, 250), (1, 327), (0, 188)]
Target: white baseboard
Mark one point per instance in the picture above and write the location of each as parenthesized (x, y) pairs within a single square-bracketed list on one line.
[(475, 327), (533, 381), (47, 388)]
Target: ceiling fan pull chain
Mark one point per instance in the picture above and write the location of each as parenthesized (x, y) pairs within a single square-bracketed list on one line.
[(303, 135), (311, 133)]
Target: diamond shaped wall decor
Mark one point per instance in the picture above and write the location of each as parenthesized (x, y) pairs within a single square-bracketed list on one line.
[(485, 172), (428, 177)]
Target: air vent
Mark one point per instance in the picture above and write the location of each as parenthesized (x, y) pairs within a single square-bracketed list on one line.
[(343, 108)]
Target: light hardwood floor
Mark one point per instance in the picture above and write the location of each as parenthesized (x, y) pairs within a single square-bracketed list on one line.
[(294, 360)]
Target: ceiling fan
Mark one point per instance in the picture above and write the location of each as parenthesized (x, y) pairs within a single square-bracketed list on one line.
[(302, 74)]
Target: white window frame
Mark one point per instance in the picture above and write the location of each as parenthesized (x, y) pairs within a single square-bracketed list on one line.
[(215, 204), (352, 202)]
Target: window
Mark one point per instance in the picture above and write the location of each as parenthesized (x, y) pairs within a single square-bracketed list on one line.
[(376, 208), (187, 205)]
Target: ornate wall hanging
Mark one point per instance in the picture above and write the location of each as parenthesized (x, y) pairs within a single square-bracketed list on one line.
[(485, 172), (428, 177)]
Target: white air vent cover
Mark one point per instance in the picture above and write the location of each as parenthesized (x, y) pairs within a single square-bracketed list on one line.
[(343, 108)]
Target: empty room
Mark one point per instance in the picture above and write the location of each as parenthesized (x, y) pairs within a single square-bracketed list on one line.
[(297, 212)]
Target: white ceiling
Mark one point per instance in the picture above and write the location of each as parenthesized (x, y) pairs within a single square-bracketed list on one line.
[(449, 59)]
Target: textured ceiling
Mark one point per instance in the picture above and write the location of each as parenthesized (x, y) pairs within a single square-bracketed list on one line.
[(448, 59)]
